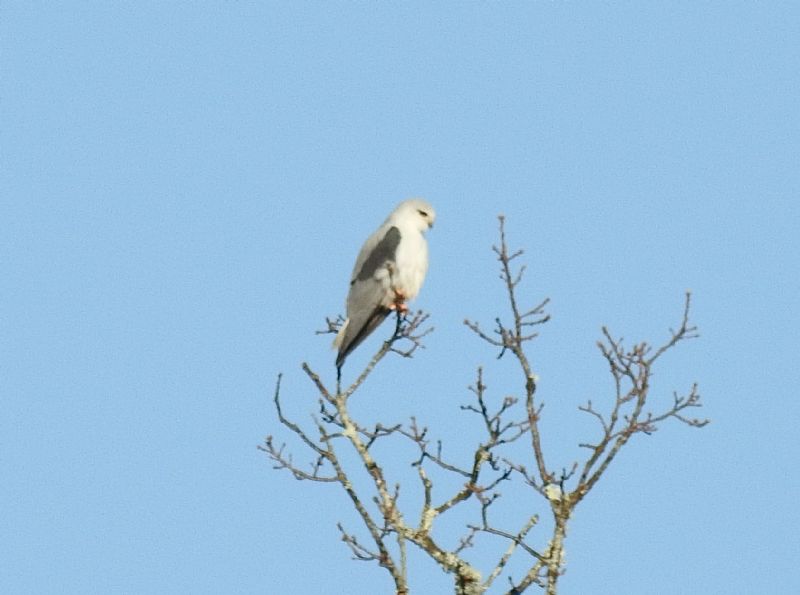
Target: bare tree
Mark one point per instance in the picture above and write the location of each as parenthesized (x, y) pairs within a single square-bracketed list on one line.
[(390, 528)]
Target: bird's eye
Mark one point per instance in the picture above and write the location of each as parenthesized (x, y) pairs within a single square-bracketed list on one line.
[(421, 212)]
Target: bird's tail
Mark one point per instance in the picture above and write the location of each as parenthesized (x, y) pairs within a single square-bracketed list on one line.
[(352, 338), (337, 342)]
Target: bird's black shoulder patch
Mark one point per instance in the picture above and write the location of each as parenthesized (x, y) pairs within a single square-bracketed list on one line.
[(383, 252)]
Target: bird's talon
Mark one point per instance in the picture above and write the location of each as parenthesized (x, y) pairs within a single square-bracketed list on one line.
[(399, 302)]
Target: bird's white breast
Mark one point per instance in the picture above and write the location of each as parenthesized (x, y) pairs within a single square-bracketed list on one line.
[(411, 262)]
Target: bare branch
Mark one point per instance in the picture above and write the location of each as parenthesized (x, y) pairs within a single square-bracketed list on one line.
[(631, 370), (685, 331), (419, 437), (408, 329), (332, 325), (317, 382), (359, 551), (516, 540), (285, 462), (277, 453)]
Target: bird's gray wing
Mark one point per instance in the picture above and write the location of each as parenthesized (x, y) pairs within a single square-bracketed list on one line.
[(365, 301)]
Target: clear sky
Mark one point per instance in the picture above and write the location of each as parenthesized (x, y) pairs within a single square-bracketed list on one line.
[(185, 187)]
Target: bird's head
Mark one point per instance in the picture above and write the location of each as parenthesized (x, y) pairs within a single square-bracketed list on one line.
[(416, 212)]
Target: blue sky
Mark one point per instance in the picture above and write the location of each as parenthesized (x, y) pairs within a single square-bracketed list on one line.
[(185, 187)]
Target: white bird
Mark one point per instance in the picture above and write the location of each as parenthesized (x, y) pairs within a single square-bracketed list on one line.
[(389, 271)]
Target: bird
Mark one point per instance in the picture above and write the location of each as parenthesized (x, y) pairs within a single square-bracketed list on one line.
[(389, 271)]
